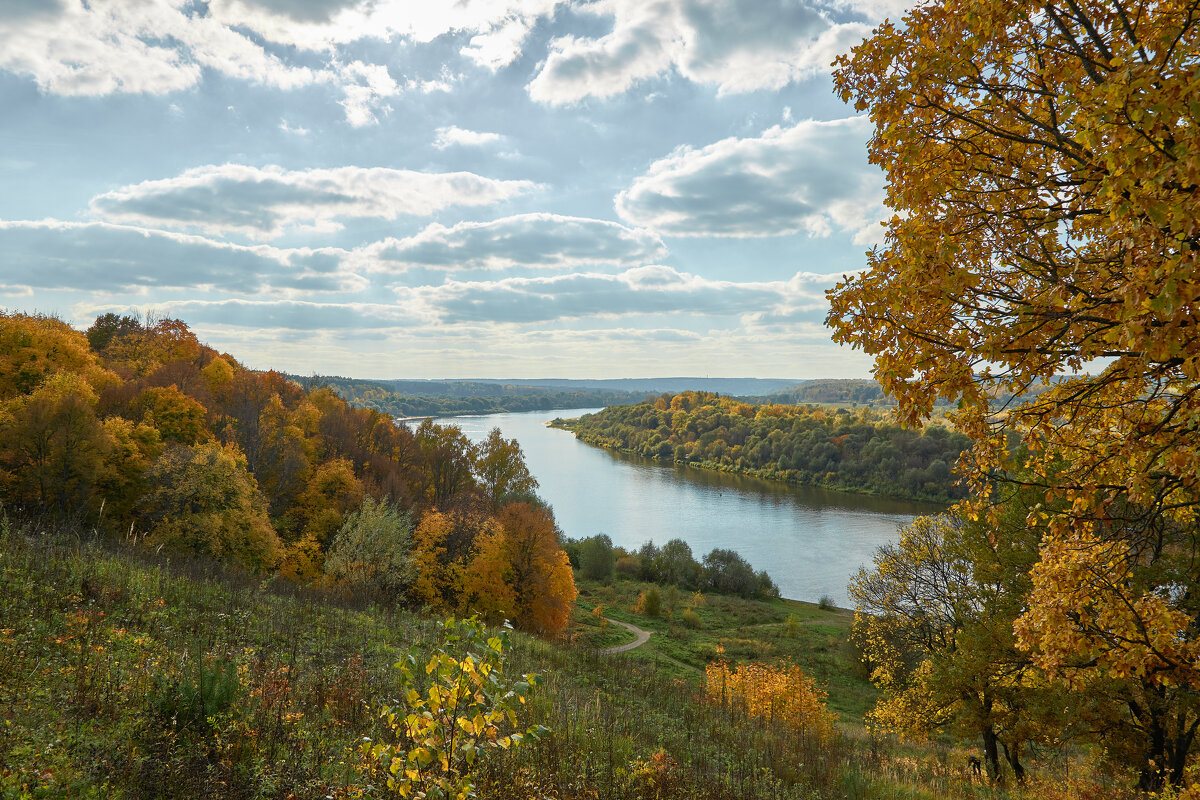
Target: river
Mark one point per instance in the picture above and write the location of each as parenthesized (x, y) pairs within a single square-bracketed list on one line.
[(810, 541)]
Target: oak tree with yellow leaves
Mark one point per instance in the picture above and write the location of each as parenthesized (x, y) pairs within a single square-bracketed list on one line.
[(1043, 166)]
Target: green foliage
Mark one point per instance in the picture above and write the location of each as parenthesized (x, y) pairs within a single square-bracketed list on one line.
[(448, 398), (806, 445), (108, 327), (373, 550), (596, 557), (194, 704), (649, 602), (454, 708), (728, 573)]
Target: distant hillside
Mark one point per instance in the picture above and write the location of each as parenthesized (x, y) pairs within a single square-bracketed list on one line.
[(401, 398), (832, 390), (724, 386)]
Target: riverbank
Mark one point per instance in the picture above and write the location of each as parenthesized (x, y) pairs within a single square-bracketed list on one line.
[(854, 451), (811, 541)]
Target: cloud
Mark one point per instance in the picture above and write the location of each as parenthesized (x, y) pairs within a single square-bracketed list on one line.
[(454, 135), (639, 291), (296, 315), (812, 177), (265, 202), (99, 257), (133, 46), (547, 241), (104, 47), (735, 45)]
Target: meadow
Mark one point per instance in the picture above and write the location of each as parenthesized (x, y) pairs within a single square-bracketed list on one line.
[(127, 674)]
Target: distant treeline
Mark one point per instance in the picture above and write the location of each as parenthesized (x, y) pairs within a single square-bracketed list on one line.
[(849, 450), (446, 398), (834, 390)]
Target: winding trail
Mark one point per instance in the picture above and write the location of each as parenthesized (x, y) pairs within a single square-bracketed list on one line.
[(642, 638)]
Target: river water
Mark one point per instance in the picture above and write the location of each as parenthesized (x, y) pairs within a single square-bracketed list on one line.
[(810, 541)]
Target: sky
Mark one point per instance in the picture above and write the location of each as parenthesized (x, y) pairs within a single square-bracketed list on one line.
[(443, 188)]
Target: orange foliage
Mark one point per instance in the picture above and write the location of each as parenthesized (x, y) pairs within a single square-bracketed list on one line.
[(782, 694)]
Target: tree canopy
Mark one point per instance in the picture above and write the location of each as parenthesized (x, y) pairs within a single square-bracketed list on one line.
[(1043, 166), (146, 433)]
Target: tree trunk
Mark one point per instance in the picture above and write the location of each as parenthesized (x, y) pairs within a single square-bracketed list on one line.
[(1013, 756), (991, 754)]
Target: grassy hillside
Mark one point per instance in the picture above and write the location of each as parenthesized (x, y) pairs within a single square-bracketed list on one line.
[(126, 675), (815, 638)]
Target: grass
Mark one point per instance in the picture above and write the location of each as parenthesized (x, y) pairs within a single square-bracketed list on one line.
[(125, 675), (817, 639)]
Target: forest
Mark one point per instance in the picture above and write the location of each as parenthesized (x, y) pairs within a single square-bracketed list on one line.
[(142, 432), (855, 450), (448, 398)]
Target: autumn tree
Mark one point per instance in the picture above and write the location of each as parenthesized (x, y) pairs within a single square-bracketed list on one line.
[(935, 616), (521, 573), (33, 347), (448, 460), (1041, 162), (500, 465), (445, 546), (203, 500), (177, 417), (159, 342), (52, 446)]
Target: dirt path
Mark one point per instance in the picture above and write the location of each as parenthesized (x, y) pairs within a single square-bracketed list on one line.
[(642, 638)]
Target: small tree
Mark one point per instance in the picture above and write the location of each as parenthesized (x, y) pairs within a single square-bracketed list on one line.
[(203, 500), (596, 557), (373, 550)]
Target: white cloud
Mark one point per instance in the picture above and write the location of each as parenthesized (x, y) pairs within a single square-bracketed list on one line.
[(265, 202), (105, 47), (454, 135), (99, 257), (812, 177), (639, 291), (525, 240), (134, 46), (735, 45), (300, 315)]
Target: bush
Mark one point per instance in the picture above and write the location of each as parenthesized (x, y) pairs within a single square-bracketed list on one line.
[(826, 603), (692, 619), (628, 566), (649, 602), (373, 550)]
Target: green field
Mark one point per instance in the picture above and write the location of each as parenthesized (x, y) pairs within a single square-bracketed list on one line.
[(127, 675)]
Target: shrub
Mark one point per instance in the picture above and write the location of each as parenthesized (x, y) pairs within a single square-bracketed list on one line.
[(692, 619), (649, 602), (373, 550), (454, 709), (781, 693), (628, 566), (826, 603)]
